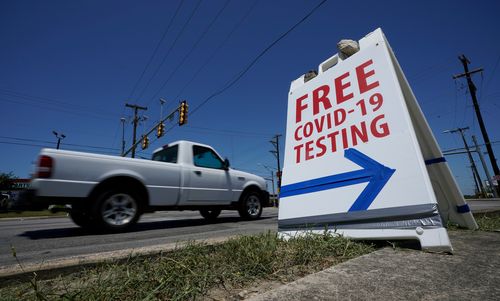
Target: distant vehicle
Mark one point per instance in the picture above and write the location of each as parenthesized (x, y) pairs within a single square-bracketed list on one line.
[(4, 201), (110, 193)]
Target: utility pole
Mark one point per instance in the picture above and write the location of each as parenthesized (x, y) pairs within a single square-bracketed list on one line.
[(475, 173), (272, 181), (472, 90), (135, 122), (273, 200), (59, 138), (183, 107), (488, 176), (272, 171), (276, 153)]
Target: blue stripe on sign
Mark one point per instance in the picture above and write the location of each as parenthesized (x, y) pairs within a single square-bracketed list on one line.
[(435, 160), (325, 183), (463, 209)]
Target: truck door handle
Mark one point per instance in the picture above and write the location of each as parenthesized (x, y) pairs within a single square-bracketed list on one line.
[(197, 172)]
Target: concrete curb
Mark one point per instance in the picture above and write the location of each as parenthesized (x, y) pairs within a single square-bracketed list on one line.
[(50, 266), (472, 273), (30, 218)]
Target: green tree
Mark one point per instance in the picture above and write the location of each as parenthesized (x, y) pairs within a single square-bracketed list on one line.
[(7, 180)]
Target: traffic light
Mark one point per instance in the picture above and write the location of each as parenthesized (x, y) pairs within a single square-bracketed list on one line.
[(160, 131), (145, 142), (183, 113)]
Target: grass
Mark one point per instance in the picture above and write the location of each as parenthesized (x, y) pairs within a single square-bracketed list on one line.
[(193, 271), (489, 221)]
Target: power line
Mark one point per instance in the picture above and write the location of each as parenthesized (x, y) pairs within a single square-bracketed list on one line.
[(27, 99), (52, 142), (219, 47), (84, 149), (229, 131), (490, 80), (156, 48), (200, 38), (170, 49), (257, 58), (24, 144), (50, 101), (461, 148), (68, 111)]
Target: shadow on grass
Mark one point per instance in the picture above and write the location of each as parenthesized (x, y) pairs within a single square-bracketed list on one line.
[(140, 227)]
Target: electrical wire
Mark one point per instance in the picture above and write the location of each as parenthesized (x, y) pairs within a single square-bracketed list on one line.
[(68, 111), (184, 26), (52, 102), (230, 131), (51, 142), (156, 48), (188, 54), (82, 149), (491, 78), (219, 47), (257, 58)]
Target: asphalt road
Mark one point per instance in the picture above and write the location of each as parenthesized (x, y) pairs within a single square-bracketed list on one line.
[(38, 240), (481, 205)]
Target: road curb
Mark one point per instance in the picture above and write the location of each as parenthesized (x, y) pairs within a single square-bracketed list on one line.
[(471, 273), (30, 218), (70, 263)]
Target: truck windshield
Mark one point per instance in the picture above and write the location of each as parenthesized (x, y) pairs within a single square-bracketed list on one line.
[(168, 154)]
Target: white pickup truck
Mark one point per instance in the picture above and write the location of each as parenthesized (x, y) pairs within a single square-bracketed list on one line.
[(110, 193)]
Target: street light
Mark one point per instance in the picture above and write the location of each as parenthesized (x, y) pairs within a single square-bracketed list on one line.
[(59, 137), (162, 102)]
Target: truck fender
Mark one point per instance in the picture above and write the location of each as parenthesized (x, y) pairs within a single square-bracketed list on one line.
[(254, 186), (122, 178), (121, 173)]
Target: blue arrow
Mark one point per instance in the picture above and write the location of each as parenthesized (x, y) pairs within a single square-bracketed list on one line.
[(373, 172)]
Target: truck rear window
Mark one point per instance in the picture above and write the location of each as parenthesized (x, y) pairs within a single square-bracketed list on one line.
[(168, 154)]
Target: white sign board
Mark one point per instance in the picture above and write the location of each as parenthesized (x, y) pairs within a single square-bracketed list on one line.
[(354, 157)]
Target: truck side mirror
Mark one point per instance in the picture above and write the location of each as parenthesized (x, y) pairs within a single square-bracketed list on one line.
[(226, 164)]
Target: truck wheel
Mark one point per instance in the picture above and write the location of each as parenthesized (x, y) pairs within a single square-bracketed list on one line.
[(250, 205), (81, 218), (210, 214), (116, 210)]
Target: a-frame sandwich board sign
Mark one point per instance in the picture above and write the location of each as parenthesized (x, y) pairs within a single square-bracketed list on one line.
[(360, 158)]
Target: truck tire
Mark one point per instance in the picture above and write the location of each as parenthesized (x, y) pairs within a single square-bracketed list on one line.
[(250, 205), (81, 218), (116, 210), (210, 214)]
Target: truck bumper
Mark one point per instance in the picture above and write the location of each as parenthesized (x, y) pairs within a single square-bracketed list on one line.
[(29, 200)]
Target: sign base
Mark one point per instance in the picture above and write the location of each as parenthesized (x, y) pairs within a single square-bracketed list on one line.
[(432, 240)]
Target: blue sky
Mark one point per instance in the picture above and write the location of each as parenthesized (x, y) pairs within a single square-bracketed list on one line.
[(70, 66)]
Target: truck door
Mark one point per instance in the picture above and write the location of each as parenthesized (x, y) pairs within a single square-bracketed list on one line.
[(165, 180), (210, 182)]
